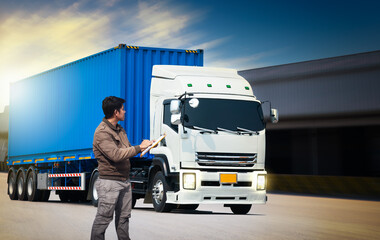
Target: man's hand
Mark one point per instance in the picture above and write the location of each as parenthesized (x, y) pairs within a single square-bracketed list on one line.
[(145, 144)]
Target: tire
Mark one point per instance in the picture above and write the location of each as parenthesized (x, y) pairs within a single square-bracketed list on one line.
[(240, 208), (94, 192), (188, 206), (44, 196), (134, 199), (12, 184), (21, 185), (32, 193), (159, 189)]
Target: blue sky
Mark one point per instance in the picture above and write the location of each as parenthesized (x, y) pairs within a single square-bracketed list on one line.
[(38, 35)]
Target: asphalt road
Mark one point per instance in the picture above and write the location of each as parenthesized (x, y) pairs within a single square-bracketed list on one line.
[(283, 217)]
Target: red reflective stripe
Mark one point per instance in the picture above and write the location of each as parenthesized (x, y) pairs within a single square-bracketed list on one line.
[(66, 175), (65, 188)]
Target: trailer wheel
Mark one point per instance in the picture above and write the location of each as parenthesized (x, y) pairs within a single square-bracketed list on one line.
[(94, 192), (240, 208), (12, 184), (159, 189), (21, 184), (32, 192)]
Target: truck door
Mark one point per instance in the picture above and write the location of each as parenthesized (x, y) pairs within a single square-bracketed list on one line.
[(172, 138)]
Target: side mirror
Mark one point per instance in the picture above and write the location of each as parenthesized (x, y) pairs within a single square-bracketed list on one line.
[(175, 106), (175, 109), (175, 119), (274, 115)]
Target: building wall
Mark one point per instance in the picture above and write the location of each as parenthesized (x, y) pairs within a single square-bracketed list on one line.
[(3, 153), (329, 115), (4, 122), (344, 151)]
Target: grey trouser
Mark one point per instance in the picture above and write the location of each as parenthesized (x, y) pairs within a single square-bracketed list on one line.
[(114, 196)]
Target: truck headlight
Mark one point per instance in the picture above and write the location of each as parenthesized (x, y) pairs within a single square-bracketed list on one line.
[(261, 181), (189, 181)]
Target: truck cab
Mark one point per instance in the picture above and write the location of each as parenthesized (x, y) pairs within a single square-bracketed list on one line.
[(214, 149)]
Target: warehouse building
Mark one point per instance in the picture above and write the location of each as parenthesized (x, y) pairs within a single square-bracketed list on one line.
[(329, 115), (4, 122)]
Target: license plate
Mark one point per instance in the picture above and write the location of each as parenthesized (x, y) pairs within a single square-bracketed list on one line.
[(228, 178)]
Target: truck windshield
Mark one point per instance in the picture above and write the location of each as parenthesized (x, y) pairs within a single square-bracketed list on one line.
[(224, 113)]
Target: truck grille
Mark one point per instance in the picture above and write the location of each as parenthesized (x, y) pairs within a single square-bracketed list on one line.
[(226, 159)]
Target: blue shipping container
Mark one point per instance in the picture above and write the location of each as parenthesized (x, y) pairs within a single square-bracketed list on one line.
[(55, 113)]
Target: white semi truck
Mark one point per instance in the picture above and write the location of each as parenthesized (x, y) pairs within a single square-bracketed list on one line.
[(214, 149)]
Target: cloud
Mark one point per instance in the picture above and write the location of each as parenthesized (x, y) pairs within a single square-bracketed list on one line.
[(109, 3), (35, 41), (159, 23), (211, 44), (243, 62)]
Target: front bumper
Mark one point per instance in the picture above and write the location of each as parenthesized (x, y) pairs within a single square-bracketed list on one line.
[(209, 191)]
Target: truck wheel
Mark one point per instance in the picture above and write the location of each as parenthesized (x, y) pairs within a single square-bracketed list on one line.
[(188, 206), (32, 192), (21, 185), (159, 189), (94, 192), (240, 208), (45, 195), (134, 199), (12, 184)]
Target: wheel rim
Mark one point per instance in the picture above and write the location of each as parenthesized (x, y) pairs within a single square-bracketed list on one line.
[(11, 182), (30, 186), (19, 185), (94, 192), (158, 191)]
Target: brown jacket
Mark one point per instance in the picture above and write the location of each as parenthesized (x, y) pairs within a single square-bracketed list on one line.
[(113, 150)]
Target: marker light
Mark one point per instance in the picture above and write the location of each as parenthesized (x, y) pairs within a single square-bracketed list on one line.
[(228, 86), (246, 88), (189, 85), (209, 85)]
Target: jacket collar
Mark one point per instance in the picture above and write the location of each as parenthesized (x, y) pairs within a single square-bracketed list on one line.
[(116, 129)]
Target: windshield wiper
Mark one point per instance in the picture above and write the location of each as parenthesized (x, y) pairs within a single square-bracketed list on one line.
[(205, 130), (248, 131), (229, 131)]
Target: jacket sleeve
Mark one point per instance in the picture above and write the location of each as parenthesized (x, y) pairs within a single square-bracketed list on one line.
[(108, 148)]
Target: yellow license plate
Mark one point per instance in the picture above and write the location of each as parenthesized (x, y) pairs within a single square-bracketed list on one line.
[(228, 178)]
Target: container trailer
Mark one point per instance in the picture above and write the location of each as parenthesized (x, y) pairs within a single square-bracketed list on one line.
[(213, 152)]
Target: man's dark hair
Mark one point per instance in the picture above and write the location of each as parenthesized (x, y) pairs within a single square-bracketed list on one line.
[(110, 104)]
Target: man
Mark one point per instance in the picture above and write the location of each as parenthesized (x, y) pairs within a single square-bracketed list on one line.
[(113, 150)]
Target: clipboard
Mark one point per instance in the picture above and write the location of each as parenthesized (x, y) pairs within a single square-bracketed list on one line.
[(153, 145)]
